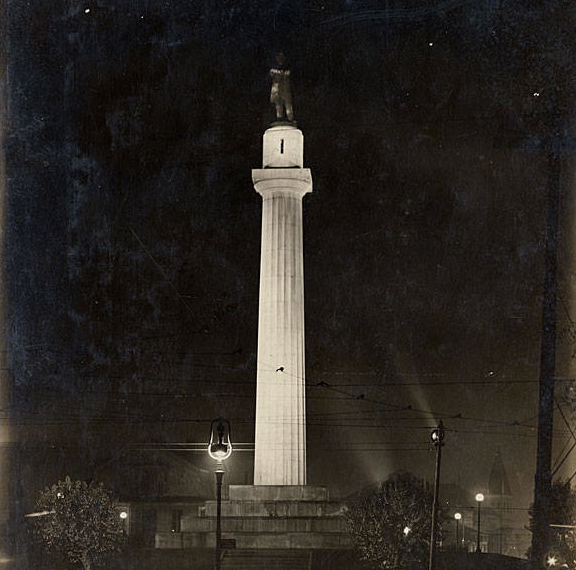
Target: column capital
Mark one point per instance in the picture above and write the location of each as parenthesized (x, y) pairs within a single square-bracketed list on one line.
[(286, 181)]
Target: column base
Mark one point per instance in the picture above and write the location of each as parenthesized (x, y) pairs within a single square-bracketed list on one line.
[(277, 493), (265, 517)]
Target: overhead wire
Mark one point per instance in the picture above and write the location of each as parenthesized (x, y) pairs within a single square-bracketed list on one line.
[(559, 463), (407, 407), (378, 405)]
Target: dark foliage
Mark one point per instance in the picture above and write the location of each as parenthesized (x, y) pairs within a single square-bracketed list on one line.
[(391, 525)]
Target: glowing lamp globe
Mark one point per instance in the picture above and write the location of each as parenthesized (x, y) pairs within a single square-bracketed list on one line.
[(219, 451), (220, 447), (437, 435)]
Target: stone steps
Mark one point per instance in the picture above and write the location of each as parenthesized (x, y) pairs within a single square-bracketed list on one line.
[(269, 559)]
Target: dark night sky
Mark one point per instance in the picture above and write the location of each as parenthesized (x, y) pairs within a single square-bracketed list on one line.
[(133, 228)]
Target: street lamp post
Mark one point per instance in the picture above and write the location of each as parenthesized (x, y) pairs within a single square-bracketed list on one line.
[(219, 475), (219, 449), (457, 518), (437, 437), (479, 499)]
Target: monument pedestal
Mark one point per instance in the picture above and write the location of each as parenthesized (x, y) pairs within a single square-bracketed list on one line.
[(265, 517), (277, 493), (281, 517)]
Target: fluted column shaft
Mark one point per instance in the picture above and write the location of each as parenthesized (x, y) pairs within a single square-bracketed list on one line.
[(280, 439)]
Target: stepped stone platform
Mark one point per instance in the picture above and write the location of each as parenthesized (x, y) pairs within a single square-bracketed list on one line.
[(277, 493), (260, 517), (291, 560), (267, 559)]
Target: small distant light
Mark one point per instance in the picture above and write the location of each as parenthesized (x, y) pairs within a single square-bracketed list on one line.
[(458, 516), (123, 515), (60, 495), (406, 530), (479, 497), (552, 561), (536, 94), (431, 44), (437, 435), (87, 11)]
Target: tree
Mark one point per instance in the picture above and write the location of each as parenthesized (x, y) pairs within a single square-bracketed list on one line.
[(391, 525), (78, 520), (562, 547)]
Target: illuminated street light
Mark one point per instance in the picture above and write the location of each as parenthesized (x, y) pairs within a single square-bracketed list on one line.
[(437, 437), (219, 449), (457, 518), (479, 499)]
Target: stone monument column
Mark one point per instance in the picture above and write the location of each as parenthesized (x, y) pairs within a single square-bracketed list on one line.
[(280, 438), (279, 517)]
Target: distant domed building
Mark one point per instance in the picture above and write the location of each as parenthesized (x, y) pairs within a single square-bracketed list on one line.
[(504, 521)]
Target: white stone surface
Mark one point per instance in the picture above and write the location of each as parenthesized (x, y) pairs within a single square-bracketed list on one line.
[(280, 438), (264, 493), (283, 147)]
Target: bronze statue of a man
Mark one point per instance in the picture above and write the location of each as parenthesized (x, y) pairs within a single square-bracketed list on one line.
[(280, 94)]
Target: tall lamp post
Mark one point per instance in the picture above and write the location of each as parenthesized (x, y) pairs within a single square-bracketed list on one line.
[(437, 437), (479, 499), (457, 518), (219, 449)]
